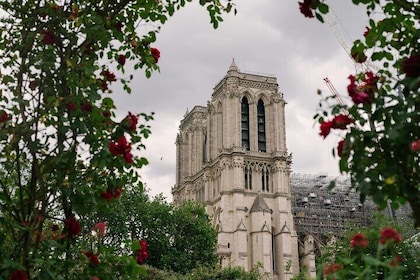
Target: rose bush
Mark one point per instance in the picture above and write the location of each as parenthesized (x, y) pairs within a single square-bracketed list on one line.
[(380, 146), (63, 151)]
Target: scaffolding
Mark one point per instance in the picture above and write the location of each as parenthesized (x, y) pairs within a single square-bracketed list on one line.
[(324, 206)]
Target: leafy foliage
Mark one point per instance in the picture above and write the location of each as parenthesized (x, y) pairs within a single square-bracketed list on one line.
[(179, 238), (381, 147), (64, 153), (373, 259)]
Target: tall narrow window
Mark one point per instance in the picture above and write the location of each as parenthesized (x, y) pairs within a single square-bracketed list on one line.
[(245, 123), (261, 126), (265, 181), (248, 178)]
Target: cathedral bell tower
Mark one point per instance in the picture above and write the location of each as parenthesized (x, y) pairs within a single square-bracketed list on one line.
[(232, 157)]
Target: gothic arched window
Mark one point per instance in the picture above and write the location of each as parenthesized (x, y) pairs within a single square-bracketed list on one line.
[(245, 123), (261, 126)]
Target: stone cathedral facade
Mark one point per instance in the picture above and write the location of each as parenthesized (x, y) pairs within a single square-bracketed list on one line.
[(232, 157)]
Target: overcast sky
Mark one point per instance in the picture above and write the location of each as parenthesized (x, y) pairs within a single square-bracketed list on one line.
[(266, 36)]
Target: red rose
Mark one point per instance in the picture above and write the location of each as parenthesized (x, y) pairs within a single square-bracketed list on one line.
[(107, 195), (71, 106), (142, 254), (100, 228), (332, 268), (389, 235), (341, 121), (155, 53), (305, 8), (132, 121), (396, 261), (4, 117), (121, 147), (109, 76), (128, 157), (340, 147), (18, 275), (121, 59), (325, 128), (93, 258), (415, 145), (411, 66), (86, 106), (71, 227), (359, 241), (366, 32), (48, 38)]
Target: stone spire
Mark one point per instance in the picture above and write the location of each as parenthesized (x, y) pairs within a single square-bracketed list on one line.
[(233, 67)]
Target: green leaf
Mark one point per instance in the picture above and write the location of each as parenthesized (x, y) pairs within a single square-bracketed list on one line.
[(323, 8)]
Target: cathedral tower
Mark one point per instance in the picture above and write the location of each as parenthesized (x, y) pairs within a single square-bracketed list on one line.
[(232, 157)]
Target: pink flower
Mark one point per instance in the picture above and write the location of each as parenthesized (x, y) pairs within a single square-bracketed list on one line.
[(100, 228), (121, 59), (389, 235), (155, 53), (359, 241), (18, 275), (71, 227), (95, 278)]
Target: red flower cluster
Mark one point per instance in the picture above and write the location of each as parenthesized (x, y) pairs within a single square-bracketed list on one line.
[(4, 117), (359, 241), (142, 254), (411, 66), (389, 235), (306, 8), (121, 59), (363, 93), (110, 194), (338, 122), (93, 258), (155, 53), (109, 76), (332, 268), (48, 38), (122, 147), (132, 121), (340, 147), (71, 227), (18, 275)]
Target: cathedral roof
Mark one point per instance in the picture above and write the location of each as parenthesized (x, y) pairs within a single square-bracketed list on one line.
[(259, 205)]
